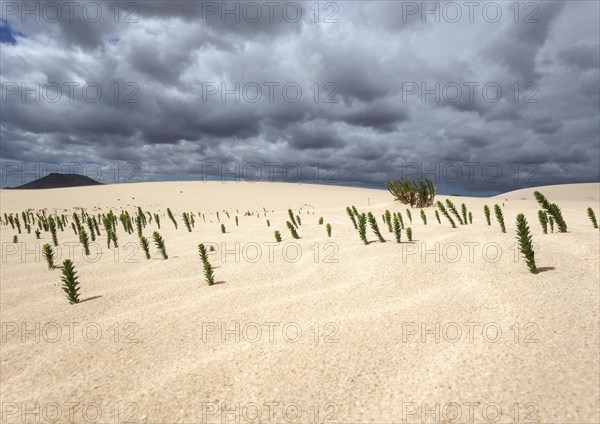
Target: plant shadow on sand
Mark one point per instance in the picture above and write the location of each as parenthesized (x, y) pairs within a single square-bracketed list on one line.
[(545, 268), (90, 298)]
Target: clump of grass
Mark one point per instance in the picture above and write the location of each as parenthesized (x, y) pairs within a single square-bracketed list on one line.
[(292, 218), (292, 230), (70, 282), (352, 217), (277, 236), (171, 217), (444, 212), (543, 218), (486, 211), (208, 270), (321, 221), (328, 228), (409, 233), (592, 217), (437, 216), (423, 216), (48, 255), (463, 209), (500, 217), (145, 246), (187, 222), (452, 209), (160, 244), (375, 227), (409, 215), (362, 227), (223, 228), (553, 210), (525, 244), (397, 230), (85, 241)]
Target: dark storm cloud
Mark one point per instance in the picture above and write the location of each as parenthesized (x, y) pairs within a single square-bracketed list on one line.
[(155, 62)]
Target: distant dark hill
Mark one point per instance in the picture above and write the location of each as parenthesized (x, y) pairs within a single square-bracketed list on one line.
[(56, 180)]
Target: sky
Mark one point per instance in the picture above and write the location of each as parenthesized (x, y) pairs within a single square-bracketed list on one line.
[(480, 97)]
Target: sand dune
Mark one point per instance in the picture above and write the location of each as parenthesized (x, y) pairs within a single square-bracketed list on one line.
[(311, 330)]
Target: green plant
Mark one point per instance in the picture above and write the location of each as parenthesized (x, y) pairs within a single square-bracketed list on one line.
[(157, 219), (15, 239), (37, 234), (423, 216), (85, 241), (551, 222), (437, 216), (409, 233), (298, 220), (409, 215), (292, 218), (187, 222), (172, 218), (543, 218), (397, 230), (236, 221), (352, 217), (452, 209), (375, 227), (463, 209), (470, 218), (145, 246), (400, 219), (48, 255), (354, 210), (362, 227), (592, 217), (553, 210), (388, 220), (160, 244), (525, 244), (328, 228), (52, 227), (321, 221), (277, 236), (70, 281), (500, 217), (208, 270), (444, 212), (420, 193), (486, 211), (268, 223), (223, 228), (292, 230)]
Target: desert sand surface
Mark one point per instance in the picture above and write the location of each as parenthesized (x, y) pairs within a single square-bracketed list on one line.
[(451, 327)]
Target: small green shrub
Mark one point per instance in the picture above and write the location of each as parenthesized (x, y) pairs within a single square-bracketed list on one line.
[(277, 236), (298, 220), (362, 227), (187, 222), (223, 228), (422, 193), (85, 241), (401, 220), (463, 209), (268, 223), (397, 230), (409, 233), (486, 211), (328, 228), (470, 218), (543, 218), (37, 234), (160, 244), (525, 244), (52, 227), (292, 230), (444, 212), (292, 218), (321, 221), (236, 221), (70, 282), (388, 220), (208, 270), (409, 215), (553, 210), (452, 209), (375, 227), (48, 255), (551, 222), (171, 217), (145, 246), (15, 239), (592, 217), (352, 217), (423, 216), (437, 216), (500, 217)]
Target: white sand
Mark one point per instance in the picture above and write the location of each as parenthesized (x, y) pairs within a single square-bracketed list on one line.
[(360, 358)]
